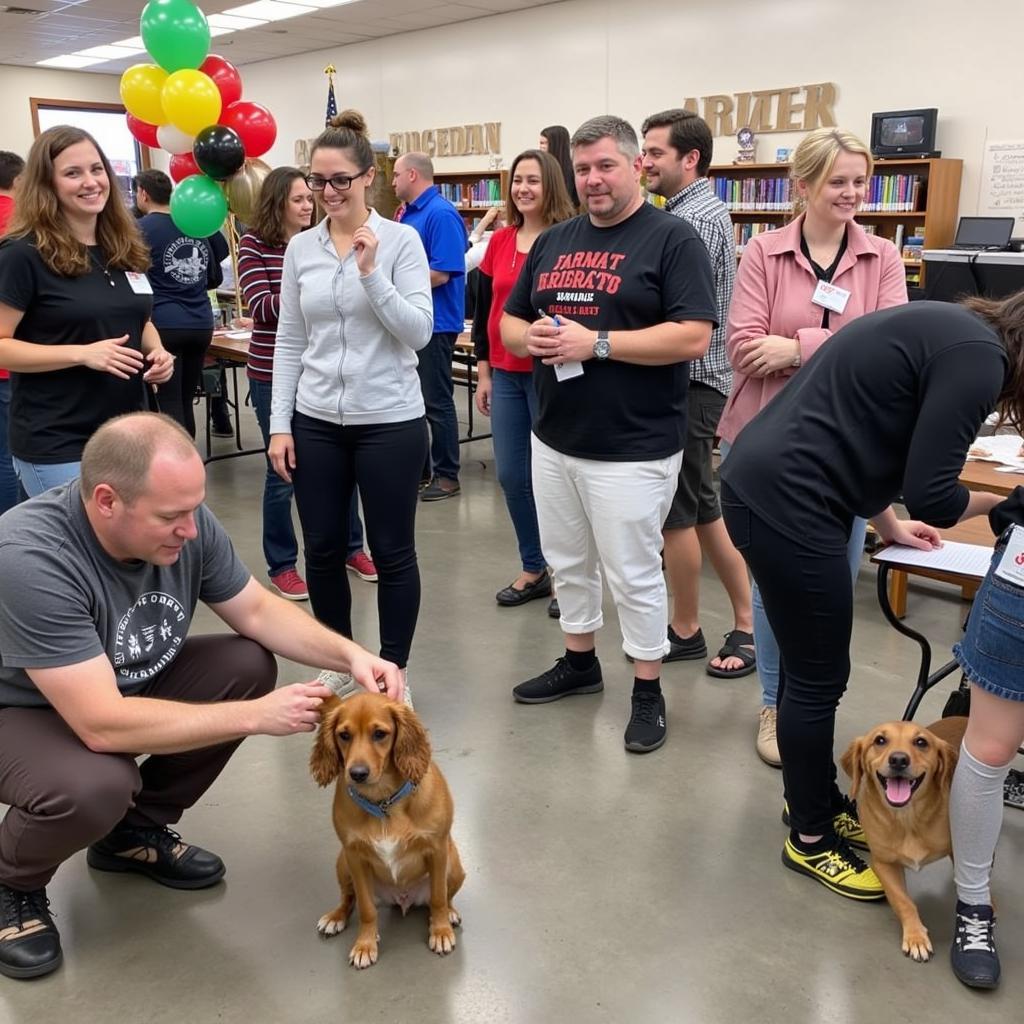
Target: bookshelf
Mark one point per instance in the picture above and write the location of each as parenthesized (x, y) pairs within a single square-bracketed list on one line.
[(473, 192), (906, 199)]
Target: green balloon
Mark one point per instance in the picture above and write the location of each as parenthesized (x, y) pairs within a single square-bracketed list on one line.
[(176, 34), (198, 206)]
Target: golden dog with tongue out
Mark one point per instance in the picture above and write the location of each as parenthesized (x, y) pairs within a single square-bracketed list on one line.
[(900, 777)]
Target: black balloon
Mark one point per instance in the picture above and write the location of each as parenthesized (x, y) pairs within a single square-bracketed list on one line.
[(218, 151)]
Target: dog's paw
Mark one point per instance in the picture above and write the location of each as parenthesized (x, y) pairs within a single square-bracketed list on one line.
[(917, 945), (442, 939), (454, 917), (332, 923), (363, 954)]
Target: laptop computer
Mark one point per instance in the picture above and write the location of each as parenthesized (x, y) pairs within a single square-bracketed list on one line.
[(980, 233)]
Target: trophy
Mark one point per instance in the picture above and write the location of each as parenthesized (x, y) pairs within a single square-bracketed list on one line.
[(745, 137)]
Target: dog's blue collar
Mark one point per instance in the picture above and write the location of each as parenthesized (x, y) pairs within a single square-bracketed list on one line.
[(381, 808)]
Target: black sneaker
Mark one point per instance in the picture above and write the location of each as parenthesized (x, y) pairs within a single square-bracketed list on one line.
[(1013, 789), (559, 681), (159, 854), (30, 946), (973, 953), (646, 730)]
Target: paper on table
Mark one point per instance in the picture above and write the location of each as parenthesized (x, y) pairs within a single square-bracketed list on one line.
[(1004, 448), (965, 559)]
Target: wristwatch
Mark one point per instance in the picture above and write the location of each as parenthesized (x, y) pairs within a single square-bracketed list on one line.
[(602, 347)]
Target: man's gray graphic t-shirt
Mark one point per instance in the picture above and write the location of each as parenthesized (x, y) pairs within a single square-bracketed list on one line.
[(64, 600)]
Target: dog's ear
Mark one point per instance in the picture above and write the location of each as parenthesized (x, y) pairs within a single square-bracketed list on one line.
[(411, 752), (947, 756), (325, 758), (852, 764)]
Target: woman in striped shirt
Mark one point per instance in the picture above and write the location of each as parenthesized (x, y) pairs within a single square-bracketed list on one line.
[(285, 209)]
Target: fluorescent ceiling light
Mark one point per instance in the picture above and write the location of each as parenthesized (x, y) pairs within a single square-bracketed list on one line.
[(135, 43), (69, 60), (109, 52), (232, 23), (214, 32), (319, 4), (270, 10)]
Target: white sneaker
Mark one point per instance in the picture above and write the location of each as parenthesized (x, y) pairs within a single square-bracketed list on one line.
[(340, 683), (767, 744)]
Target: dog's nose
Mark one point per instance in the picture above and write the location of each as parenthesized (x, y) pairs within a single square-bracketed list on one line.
[(898, 761), (359, 773)]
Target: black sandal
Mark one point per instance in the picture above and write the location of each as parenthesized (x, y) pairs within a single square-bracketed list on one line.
[(735, 646)]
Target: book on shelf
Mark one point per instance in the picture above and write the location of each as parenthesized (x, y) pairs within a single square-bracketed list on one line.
[(892, 193), (743, 233), (754, 193), (486, 192)]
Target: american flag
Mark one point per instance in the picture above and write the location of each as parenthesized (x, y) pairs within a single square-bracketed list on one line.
[(332, 106)]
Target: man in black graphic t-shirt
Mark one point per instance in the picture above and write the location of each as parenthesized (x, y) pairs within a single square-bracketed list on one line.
[(625, 299)]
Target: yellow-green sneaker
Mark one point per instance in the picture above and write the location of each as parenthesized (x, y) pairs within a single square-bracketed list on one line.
[(845, 824), (838, 869)]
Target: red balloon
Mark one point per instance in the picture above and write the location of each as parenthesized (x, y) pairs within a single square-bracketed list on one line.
[(254, 124), (183, 165), (225, 76), (143, 131)]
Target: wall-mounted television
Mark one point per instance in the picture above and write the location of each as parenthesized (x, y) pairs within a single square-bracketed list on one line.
[(903, 133)]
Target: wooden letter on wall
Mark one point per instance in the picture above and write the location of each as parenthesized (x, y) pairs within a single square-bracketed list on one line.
[(788, 110), (818, 112), (493, 130), (718, 114)]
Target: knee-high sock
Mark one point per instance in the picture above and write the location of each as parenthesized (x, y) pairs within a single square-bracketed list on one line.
[(975, 817)]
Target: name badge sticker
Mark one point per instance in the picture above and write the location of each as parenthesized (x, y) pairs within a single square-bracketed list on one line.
[(138, 283), (830, 296), (1011, 565)]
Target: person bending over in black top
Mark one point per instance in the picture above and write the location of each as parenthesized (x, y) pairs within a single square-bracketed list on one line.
[(885, 410), (75, 307)]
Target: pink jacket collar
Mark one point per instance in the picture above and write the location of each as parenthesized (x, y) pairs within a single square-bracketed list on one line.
[(787, 239)]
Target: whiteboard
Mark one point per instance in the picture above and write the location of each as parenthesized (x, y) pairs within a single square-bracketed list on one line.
[(1002, 182)]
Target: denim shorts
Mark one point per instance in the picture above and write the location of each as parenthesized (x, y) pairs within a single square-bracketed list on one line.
[(991, 653)]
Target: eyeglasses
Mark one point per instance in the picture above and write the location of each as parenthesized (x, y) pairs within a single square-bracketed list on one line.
[(339, 182)]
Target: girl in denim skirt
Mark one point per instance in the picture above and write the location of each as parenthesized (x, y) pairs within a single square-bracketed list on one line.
[(992, 657)]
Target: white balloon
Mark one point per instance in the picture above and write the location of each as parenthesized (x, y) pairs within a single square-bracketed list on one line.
[(174, 140)]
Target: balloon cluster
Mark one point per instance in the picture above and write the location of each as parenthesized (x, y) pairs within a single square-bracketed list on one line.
[(189, 102)]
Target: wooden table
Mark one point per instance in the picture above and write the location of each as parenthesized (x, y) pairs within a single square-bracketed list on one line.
[(982, 476), (232, 354), (892, 592)]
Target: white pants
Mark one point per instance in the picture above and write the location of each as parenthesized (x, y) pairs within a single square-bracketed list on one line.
[(613, 512)]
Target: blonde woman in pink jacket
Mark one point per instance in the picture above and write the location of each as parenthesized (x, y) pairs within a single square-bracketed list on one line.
[(796, 287)]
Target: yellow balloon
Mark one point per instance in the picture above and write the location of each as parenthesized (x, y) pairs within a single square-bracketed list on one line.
[(141, 91), (191, 100)]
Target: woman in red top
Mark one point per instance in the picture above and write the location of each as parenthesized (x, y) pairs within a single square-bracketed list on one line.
[(537, 199)]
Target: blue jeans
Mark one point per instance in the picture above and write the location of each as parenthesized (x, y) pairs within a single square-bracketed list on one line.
[(8, 478), (435, 370), (513, 407), (280, 547), (765, 644), (37, 477)]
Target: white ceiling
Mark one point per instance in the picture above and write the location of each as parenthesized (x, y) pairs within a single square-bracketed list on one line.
[(49, 28)]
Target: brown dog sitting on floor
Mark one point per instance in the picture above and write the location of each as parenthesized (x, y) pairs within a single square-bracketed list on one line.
[(901, 773), (393, 814)]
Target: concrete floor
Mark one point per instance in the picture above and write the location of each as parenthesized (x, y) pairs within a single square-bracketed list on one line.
[(602, 886)]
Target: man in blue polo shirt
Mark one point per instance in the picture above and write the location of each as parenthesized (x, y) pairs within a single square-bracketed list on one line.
[(444, 237)]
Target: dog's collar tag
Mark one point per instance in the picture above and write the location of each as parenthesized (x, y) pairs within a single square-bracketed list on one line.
[(381, 808)]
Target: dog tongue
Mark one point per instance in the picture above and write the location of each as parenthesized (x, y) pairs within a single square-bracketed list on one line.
[(897, 790)]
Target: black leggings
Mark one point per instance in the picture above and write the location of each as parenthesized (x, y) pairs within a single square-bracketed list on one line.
[(809, 603), (384, 460), (176, 397)]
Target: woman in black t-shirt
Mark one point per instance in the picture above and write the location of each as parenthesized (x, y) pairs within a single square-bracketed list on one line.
[(75, 307), (886, 410)]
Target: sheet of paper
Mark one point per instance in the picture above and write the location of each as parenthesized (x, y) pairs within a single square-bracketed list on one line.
[(965, 559), (1003, 448)]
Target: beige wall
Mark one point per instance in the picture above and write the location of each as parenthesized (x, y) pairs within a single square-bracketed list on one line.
[(568, 61), (564, 63), (17, 85)]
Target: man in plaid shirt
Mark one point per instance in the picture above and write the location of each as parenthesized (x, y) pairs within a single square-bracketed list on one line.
[(676, 157)]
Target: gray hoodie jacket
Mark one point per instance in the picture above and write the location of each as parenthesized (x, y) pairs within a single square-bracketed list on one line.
[(346, 344)]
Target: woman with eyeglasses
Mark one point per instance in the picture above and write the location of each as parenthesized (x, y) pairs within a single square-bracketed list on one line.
[(346, 408)]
